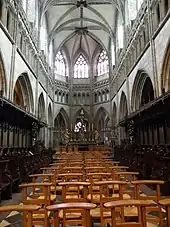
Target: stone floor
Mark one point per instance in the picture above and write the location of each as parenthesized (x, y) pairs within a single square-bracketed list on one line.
[(14, 218)]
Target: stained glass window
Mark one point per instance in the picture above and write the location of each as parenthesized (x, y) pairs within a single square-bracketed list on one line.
[(81, 68), (60, 66), (103, 63)]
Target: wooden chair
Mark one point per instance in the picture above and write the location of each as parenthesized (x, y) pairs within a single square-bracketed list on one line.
[(71, 176), (153, 196), (118, 218), (27, 209), (126, 176), (116, 163), (119, 168), (165, 203), (69, 208), (94, 169), (108, 193), (41, 198), (94, 190), (47, 177), (72, 169), (79, 194)]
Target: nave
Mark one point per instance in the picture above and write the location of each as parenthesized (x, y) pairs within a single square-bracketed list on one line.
[(86, 188)]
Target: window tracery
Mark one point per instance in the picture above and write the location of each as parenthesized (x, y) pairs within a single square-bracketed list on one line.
[(81, 68), (103, 63), (60, 66)]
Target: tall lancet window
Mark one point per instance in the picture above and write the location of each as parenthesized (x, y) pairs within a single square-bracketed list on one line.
[(60, 65), (103, 63), (81, 68)]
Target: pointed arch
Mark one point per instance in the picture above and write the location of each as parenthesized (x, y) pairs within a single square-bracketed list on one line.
[(165, 81), (101, 114), (50, 115), (65, 117), (142, 82), (123, 112), (60, 122), (60, 67), (86, 115), (147, 92), (81, 67), (18, 96), (114, 114), (103, 63), (23, 94), (79, 52), (123, 108), (102, 120), (41, 108), (61, 127), (3, 85)]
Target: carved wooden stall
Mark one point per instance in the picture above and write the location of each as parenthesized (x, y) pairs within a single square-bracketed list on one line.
[(19, 154), (149, 137)]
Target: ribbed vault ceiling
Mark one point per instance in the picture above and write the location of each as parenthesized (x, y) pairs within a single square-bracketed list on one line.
[(81, 25)]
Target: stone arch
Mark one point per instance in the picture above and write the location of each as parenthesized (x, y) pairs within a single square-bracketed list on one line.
[(95, 97), (63, 114), (23, 94), (86, 115), (75, 98), (165, 81), (123, 108), (101, 113), (114, 114), (41, 108), (123, 112), (42, 117), (147, 92), (50, 115), (142, 79), (102, 120), (3, 86), (61, 124), (67, 98)]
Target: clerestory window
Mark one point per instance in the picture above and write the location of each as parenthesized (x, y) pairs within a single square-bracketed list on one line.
[(60, 65), (103, 63), (81, 68)]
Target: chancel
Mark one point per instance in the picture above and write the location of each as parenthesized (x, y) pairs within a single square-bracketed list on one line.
[(84, 113)]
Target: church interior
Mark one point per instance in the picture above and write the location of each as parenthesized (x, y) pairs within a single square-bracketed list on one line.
[(84, 113)]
